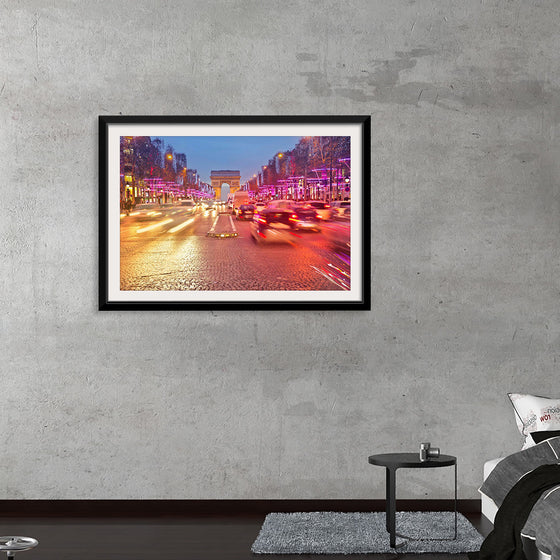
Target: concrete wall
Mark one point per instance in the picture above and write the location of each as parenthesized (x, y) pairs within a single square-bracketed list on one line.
[(464, 97)]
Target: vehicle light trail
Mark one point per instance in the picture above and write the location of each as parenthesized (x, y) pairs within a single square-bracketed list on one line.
[(341, 283), (154, 226), (339, 270), (181, 226)]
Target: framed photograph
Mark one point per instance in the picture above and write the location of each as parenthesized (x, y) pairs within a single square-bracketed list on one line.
[(225, 212)]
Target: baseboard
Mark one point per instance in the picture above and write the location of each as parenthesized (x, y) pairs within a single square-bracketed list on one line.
[(186, 508)]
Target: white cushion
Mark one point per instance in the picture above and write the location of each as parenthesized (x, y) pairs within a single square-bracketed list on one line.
[(533, 414)]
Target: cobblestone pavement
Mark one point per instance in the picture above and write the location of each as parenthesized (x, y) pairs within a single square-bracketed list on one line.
[(162, 259)]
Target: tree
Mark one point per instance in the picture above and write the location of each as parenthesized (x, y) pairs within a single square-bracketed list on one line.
[(326, 153), (169, 172)]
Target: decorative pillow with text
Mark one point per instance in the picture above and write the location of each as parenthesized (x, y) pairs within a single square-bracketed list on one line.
[(535, 414)]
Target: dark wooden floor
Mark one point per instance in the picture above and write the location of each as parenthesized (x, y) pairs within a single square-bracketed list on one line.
[(210, 537)]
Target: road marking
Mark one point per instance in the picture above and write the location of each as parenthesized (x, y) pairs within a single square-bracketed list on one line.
[(213, 228), (154, 226), (223, 233), (181, 226), (234, 229)]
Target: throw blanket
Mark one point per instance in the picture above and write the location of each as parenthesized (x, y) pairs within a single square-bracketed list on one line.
[(509, 470), (544, 517), (504, 542), (543, 523)]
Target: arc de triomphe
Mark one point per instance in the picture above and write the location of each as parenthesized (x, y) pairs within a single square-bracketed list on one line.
[(221, 176)]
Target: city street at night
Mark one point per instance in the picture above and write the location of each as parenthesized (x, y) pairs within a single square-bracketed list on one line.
[(219, 214), (173, 248)]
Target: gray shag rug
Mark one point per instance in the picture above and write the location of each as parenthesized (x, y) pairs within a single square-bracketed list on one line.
[(326, 532)]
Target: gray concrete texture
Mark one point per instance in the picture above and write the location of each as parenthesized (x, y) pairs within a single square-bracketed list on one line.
[(465, 105)]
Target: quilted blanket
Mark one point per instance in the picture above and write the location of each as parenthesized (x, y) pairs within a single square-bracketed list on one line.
[(544, 520)]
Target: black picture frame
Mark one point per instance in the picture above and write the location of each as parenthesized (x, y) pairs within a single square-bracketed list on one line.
[(114, 132)]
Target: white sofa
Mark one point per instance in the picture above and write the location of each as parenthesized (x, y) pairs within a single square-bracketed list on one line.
[(489, 508)]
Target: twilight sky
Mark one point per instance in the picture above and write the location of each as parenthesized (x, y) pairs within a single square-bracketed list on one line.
[(246, 153)]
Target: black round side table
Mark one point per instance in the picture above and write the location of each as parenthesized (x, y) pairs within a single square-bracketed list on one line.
[(394, 461)]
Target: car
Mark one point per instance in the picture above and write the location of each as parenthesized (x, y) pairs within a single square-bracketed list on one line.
[(259, 207), (337, 232), (305, 219), (323, 209), (338, 206), (239, 198), (146, 211), (245, 212), (282, 204), (273, 225)]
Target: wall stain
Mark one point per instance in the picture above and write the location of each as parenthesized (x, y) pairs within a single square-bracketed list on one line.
[(317, 84), (381, 82), (372, 84)]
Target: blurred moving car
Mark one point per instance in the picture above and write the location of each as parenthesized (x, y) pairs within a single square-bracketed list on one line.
[(239, 198), (187, 206), (146, 211), (338, 206), (303, 218), (245, 212), (323, 209), (273, 225), (337, 232), (282, 204)]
